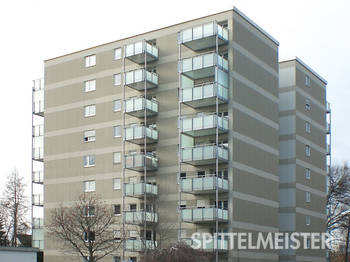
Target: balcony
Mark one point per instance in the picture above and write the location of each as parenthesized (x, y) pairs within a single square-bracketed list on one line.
[(136, 79), (328, 170), (38, 108), (204, 95), (203, 36), (38, 223), (38, 244), (328, 108), (38, 177), (137, 133), (328, 149), (328, 128), (38, 130), (203, 185), (38, 84), (140, 217), (202, 66), (38, 97), (209, 244), (203, 125), (141, 51), (203, 215), (138, 162), (38, 154), (138, 190), (135, 106), (138, 245), (204, 154), (38, 200)]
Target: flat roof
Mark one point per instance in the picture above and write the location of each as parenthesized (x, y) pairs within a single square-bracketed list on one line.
[(123, 39), (306, 66)]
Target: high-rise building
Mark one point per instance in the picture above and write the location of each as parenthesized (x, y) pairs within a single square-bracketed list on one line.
[(178, 130)]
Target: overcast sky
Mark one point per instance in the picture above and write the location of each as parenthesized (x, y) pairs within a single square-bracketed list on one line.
[(317, 31)]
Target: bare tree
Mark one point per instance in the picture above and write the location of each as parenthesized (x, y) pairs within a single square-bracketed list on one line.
[(179, 252), (14, 208), (88, 228)]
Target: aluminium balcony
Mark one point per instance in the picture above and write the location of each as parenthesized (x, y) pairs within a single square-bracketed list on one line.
[(204, 154), (38, 223), (38, 177), (141, 51), (138, 162), (38, 97), (204, 95), (140, 217), (203, 36), (136, 79), (328, 149), (138, 245), (203, 185), (38, 200), (38, 130), (203, 215), (203, 125), (202, 66), (38, 108), (135, 106), (138, 190), (209, 245), (38, 154), (328, 108), (137, 133), (328, 128)]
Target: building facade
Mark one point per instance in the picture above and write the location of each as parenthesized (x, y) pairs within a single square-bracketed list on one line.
[(177, 129)]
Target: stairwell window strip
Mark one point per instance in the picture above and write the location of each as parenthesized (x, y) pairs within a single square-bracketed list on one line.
[(307, 197), (307, 150), (90, 60)]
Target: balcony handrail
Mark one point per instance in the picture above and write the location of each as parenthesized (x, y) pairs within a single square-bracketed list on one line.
[(145, 75), (39, 177), (38, 130), (206, 175), (215, 92), (204, 145), (38, 84), (216, 60), (218, 121), (153, 132), (142, 153), (154, 103), (130, 49), (218, 29), (207, 206)]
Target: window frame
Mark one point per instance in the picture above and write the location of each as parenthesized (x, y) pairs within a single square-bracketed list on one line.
[(120, 131), (307, 150), (89, 113), (114, 209), (307, 173), (114, 158), (307, 220), (119, 184), (307, 197), (86, 137), (119, 80), (87, 159), (307, 81), (307, 127), (89, 182), (115, 52), (90, 60), (307, 105), (120, 105), (87, 83)]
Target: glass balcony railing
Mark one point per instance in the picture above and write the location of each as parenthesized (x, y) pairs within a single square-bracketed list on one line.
[(209, 244), (138, 245), (38, 130), (328, 128), (328, 107), (328, 170), (140, 217), (203, 214), (38, 153), (202, 66), (38, 223), (137, 162), (204, 95), (141, 51), (328, 150), (38, 84), (204, 154), (136, 79), (38, 107), (203, 185), (38, 244), (203, 125), (38, 200), (135, 106), (137, 133), (203, 36), (38, 177), (139, 189)]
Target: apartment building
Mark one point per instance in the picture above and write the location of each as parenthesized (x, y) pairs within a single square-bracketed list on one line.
[(177, 129), (304, 153)]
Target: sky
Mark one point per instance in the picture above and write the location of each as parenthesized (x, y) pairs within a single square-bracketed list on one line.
[(34, 30)]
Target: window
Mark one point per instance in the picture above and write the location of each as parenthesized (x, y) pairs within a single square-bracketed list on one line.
[(90, 85), (116, 183), (90, 110), (117, 131), (132, 207), (117, 105), (307, 150), (133, 234), (307, 81), (90, 136), (89, 211), (133, 180), (307, 105), (133, 259), (117, 53), (183, 204), (307, 220), (117, 79), (90, 60), (89, 236), (117, 259), (117, 210), (117, 158), (89, 186), (182, 175), (307, 127), (89, 161), (117, 237), (307, 173), (307, 197), (308, 243), (200, 203)]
